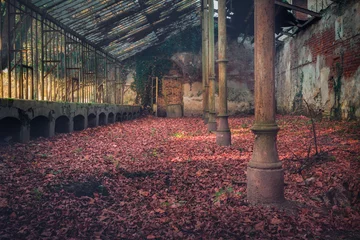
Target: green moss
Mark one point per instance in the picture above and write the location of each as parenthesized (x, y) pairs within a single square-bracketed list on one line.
[(298, 99)]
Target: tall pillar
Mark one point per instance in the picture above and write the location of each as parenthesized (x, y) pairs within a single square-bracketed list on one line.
[(206, 62), (212, 114), (203, 57), (223, 134), (265, 176)]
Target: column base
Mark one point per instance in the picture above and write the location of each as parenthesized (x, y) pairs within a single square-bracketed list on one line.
[(206, 117), (265, 186), (211, 126), (223, 138)]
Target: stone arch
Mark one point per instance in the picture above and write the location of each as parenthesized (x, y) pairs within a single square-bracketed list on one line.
[(62, 124), (92, 120), (39, 127), (102, 119), (79, 122), (10, 128), (124, 116), (111, 118), (118, 117)]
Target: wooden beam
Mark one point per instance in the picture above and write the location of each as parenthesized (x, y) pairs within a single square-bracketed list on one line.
[(297, 8)]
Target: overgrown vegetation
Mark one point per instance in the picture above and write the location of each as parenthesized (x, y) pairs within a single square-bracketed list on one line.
[(156, 61), (336, 110)]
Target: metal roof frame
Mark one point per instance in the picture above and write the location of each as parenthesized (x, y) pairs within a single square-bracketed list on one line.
[(119, 28)]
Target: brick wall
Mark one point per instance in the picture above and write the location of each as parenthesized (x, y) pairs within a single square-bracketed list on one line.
[(311, 63)]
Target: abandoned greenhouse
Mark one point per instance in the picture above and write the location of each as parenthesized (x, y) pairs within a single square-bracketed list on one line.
[(180, 119)]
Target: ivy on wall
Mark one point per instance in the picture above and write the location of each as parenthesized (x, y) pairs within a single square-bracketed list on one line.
[(336, 109), (156, 61)]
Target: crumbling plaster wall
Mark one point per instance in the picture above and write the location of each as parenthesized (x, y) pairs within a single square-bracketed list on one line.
[(240, 80), (322, 64)]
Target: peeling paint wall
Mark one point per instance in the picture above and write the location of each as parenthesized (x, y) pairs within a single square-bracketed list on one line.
[(322, 64), (240, 77), (240, 80)]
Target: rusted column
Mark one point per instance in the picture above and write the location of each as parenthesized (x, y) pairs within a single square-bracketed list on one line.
[(265, 177), (212, 116), (223, 134), (206, 62), (203, 57)]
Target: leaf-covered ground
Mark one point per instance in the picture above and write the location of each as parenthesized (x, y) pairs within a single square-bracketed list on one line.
[(167, 179)]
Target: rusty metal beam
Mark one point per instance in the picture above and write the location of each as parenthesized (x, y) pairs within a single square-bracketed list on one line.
[(297, 8)]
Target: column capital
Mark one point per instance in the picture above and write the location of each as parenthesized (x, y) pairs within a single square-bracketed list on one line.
[(222, 61)]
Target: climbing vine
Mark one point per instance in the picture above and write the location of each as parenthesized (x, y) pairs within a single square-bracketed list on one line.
[(156, 61), (336, 110), (297, 102)]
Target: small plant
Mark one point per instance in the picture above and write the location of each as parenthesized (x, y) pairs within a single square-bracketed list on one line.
[(178, 135), (154, 153), (221, 194), (78, 150), (166, 204), (37, 193), (153, 131), (109, 158), (244, 125), (44, 155), (55, 172)]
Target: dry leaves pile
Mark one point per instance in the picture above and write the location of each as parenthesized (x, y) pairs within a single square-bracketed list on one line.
[(167, 179)]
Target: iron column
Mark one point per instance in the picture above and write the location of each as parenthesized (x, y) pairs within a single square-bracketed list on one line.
[(223, 134), (206, 61), (203, 57), (211, 57), (265, 176)]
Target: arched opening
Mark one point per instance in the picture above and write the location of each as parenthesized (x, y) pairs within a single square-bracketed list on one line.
[(62, 125), (92, 120), (102, 119), (118, 117), (10, 130), (111, 118), (79, 123), (39, 127), (124, 117)]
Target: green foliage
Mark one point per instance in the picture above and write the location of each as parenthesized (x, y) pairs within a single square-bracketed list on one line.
[(223, 192), (37, 192), (244, 125), (336, 110), (156, 61), (78, 150), (179, 135)]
